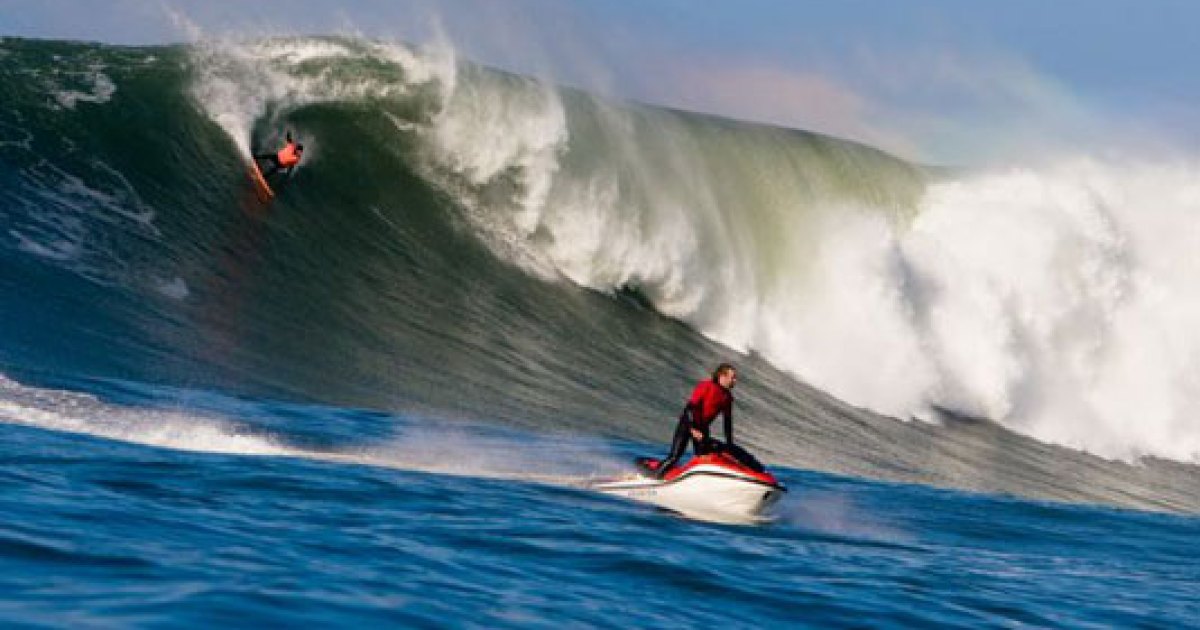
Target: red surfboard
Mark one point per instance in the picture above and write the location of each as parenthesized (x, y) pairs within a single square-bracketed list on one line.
[(261, 188)]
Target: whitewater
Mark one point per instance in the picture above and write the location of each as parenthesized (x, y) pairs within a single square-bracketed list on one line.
[(1054, 298), (375, 400)]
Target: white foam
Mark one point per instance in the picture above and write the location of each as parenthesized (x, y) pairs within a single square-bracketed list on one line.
[(120, 202), (495, 143), (468, 451), (440, 450), (839, 515), (100, 89), (74, 412), (239, 83), (175, 288), (1060, 301), (69, 219), (57, 249)]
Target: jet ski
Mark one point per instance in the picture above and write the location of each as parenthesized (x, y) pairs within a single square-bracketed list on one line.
[(714, 486)]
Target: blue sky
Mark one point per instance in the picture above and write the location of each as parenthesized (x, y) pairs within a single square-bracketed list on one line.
[(932, 79)]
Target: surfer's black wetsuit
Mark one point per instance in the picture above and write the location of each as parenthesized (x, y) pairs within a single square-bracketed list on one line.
[(708, 401), (679, 443), (285, 159), (269, 158), (276, 165)]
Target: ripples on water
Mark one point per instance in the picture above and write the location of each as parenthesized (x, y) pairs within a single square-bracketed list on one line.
[(100, 531)]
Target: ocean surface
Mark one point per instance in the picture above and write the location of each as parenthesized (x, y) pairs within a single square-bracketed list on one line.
[(375, 399)]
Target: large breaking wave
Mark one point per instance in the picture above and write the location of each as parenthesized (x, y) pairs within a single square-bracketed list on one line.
[(1057, 298)]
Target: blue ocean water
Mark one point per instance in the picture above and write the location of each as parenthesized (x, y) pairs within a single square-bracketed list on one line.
[(105, 532), (376, 400)]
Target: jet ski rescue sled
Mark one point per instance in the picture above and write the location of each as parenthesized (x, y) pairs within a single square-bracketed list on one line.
[(714, 486)]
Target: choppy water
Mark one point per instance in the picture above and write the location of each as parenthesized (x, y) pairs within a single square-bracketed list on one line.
[(107, 533), (368, 401)]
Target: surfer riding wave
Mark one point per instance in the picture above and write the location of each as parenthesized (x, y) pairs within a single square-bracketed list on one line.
[(284, 160)]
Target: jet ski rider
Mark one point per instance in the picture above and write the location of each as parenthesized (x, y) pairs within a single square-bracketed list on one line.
[(710, 398)]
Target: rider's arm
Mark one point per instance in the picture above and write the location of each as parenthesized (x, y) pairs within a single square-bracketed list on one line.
[(691, 411)]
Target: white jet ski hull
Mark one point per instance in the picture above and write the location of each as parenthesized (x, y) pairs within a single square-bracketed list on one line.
[(705, 492)]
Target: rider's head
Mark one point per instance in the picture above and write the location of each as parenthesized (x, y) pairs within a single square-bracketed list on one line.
[(725, 375)]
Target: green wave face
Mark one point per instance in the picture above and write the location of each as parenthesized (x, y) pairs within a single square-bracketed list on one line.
[(443, 211), (464, 242)]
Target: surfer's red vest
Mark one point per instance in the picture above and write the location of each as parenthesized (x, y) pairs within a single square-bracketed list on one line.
[(287, 156), (709, 400)]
